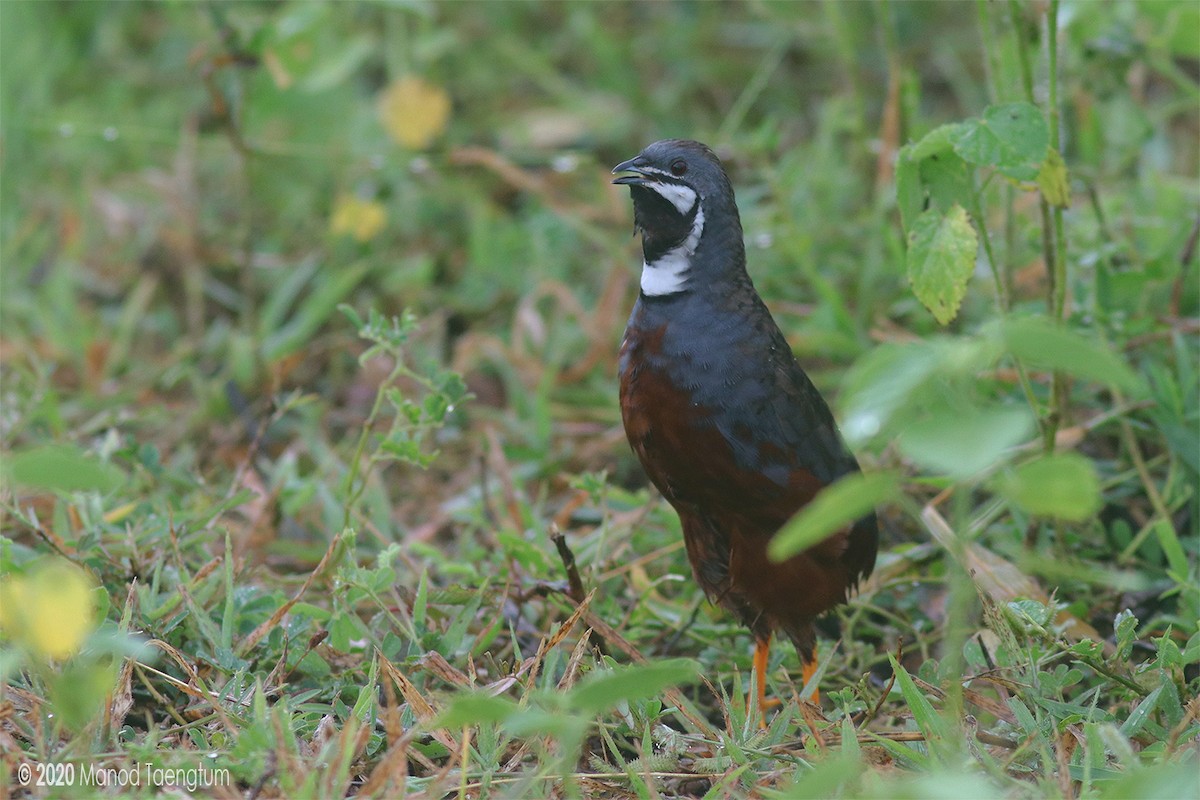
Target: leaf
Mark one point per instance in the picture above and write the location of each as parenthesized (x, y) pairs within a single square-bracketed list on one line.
[(1168, 540), (910, 196), (947, 181), (604, 690), (1125, 630), (962, 443), (313, 312), (1012, 138), (1041, 343), (292, 42), (1137, 718), (474, 708), (941, 258), (911, 165), (836, 506), (79, 691), (884, 382), (414, 112), (63, 468), (937, 141), (1061, 485), (928, 720), (362, 219), (1052, 180)]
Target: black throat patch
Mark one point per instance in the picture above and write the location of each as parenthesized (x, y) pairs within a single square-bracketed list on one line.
[(663, 228)]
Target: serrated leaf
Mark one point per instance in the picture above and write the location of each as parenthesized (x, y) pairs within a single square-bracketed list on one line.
[(1060, 485), (1012, 138), (940, 260), (836, 506), (962, 443), (603, 690), (1052, 180)]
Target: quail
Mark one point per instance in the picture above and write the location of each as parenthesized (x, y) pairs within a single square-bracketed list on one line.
[(725, 423)]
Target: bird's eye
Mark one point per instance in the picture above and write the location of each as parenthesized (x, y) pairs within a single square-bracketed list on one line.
[(678, 167)]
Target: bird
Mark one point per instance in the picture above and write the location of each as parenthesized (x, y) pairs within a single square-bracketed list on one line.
[(723, 419)]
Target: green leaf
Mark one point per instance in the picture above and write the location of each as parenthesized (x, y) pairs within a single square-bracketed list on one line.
[(1042, 344), (286, 289), (1168, 540), (835, 507), (313, 312), (1061, 485), (1125, 631), (910, 196), (474, 708), (947, 180), (937, 141), (924, 714), (961, 443), (553, 722), (881, 383), (62, 468), (923, 169), (941, 258), (1052, 180), (1012, 138), (604, 690), (1137, 718), (77, 693)]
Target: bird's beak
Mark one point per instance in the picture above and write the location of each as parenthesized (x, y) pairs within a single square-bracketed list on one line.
[(634, 165)]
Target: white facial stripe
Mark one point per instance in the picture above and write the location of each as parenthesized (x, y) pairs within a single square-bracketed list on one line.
[(655, 170), (682, 197), (669, 273)]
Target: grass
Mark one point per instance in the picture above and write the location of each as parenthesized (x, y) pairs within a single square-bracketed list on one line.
[(313, 477)]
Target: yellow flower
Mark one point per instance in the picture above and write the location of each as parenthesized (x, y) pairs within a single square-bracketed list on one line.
[(50, 609), (414, 112), (362, 219)]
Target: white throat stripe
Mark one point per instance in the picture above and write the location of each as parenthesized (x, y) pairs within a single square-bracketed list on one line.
[(669, 273), (682, 197)]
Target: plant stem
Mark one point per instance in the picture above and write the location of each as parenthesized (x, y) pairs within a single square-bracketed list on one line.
[(1059, 398), (1001, 290), (1001, 273), (351, 491), (1014, 13), (1054, 247), (991, 60)]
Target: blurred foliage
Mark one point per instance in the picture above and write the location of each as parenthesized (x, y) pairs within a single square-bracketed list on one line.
[(327, 547)]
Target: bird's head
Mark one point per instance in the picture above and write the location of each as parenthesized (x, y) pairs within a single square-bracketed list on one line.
[(678, 187)]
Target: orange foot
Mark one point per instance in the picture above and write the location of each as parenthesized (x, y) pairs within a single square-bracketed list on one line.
[(808, 669), (762, 652)]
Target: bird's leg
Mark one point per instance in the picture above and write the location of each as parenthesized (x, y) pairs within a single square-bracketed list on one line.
[(762, 652), (807, 670)]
